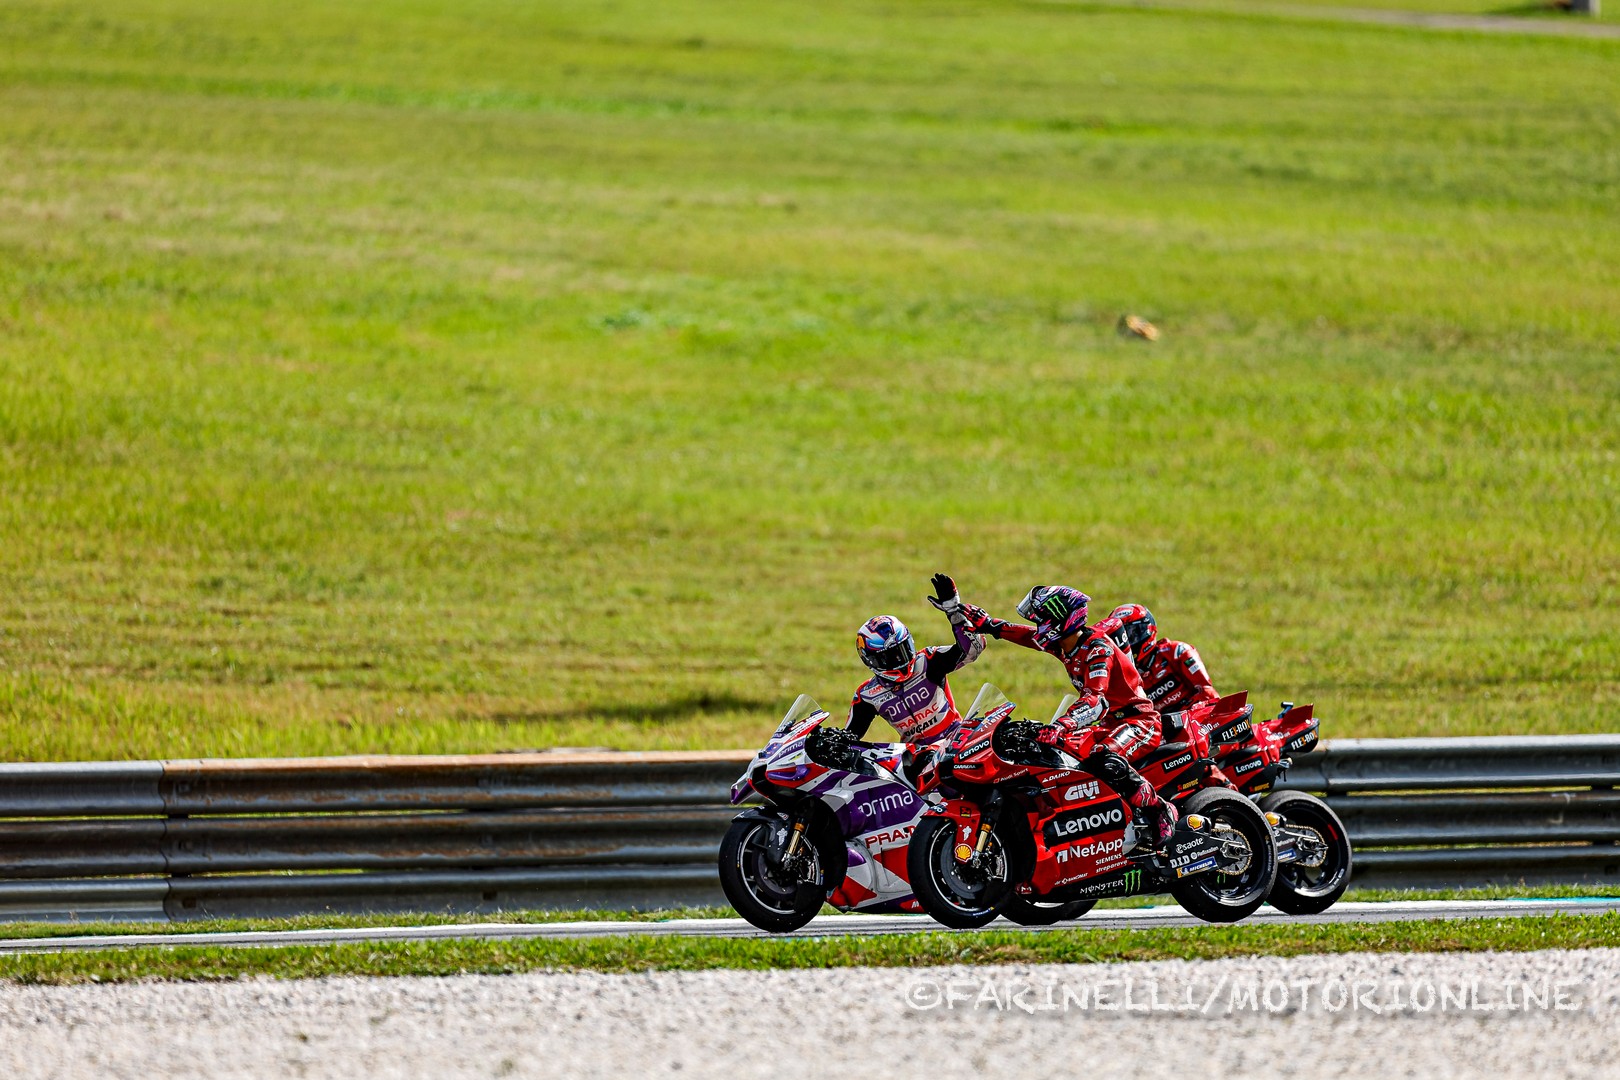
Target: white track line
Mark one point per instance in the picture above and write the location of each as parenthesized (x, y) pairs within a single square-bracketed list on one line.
[(821, 926)]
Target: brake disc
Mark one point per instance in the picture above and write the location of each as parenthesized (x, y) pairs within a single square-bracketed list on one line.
[(1311, 845)]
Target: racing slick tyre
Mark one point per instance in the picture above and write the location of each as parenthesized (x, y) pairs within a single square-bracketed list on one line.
[(1319, 878), (763, 892), (961, 897), (1237, 888), (1026, 912)]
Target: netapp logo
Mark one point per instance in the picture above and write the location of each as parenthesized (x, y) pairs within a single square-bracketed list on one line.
[(1074, 826)]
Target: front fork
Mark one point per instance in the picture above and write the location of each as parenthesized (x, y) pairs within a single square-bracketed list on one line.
[(789, 852), (969, 851)]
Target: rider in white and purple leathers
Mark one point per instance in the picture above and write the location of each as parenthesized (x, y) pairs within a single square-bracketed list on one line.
[(909, 687)]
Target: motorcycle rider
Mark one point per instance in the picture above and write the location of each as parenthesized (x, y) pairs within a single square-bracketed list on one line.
[(1172, 671), (1111, 696), (908, 687)]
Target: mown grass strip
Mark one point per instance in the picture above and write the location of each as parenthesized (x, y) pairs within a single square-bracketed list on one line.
[(439, 958), (341, 922)]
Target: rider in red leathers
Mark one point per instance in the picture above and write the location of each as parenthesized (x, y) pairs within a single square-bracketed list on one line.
[(1172, 672), (1111, 696)]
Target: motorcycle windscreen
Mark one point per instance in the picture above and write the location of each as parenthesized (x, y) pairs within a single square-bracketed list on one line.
[(803, 708), (989, 699)]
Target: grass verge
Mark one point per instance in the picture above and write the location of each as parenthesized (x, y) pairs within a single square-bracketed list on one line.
[(331, 922), (440, 958)]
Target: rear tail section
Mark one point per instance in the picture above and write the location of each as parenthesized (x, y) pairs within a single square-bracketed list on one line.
[(1295, 730), (1257, 762)]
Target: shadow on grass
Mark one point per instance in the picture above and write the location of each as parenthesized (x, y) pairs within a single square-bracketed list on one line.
[(651, 713), (1545, 7)]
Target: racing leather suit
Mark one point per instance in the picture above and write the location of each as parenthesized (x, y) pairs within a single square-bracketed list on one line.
[(1113, 703), (1175, 677), (920, 708)]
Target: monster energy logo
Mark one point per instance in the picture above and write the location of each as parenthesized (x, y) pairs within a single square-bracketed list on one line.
[(1053, 606), (1131, 881)]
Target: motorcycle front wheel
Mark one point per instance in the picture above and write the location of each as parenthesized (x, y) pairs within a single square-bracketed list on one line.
[(1026, 912), (1314, 883), (1224, 896), (959, 896), (767, 895)]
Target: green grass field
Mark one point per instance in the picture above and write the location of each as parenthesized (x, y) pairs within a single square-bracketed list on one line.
[(418, 377)]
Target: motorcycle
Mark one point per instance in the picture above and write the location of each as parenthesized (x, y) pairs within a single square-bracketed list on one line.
[(833, 829), (1314, 857), (1007, 817)]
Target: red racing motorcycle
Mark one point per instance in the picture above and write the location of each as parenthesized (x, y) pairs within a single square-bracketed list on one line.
[(1313, 851), (1011, 822)]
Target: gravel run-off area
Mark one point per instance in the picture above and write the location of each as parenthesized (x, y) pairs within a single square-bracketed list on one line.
[(1551, 1013)]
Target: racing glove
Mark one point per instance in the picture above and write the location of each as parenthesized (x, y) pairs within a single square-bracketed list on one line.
[(980, 621), (946, 597)]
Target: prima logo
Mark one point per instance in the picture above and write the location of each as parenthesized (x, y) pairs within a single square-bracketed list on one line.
[(917, 696), (896, 801), (1080, 792)]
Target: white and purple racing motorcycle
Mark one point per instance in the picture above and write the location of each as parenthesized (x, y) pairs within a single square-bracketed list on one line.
[(833, 829)]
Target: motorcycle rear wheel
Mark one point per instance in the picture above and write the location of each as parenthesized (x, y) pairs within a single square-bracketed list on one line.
[(1306, 890), (760, 893), (947, 890), (1026, 912), (1223, 898)]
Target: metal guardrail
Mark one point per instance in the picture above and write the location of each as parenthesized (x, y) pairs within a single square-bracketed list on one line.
[(1431, 813), (205, 838)]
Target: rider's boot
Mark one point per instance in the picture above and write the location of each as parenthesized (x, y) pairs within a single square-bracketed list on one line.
[(1113, 770)]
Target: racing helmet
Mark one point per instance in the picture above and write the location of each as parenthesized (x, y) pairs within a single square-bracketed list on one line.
[(1133, 629), (1056, 610), (886, 646)]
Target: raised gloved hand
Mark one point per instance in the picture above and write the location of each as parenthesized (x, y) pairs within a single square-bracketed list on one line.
[(945, 595), (980, 621)]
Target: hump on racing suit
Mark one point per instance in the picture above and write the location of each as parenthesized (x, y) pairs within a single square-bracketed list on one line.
[(1099, 670), (1175, 677), (1172, 671)]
